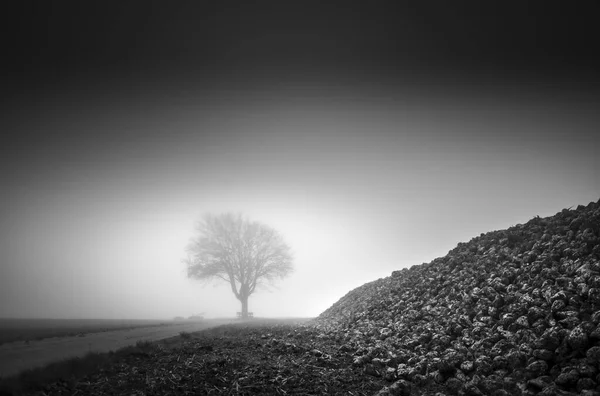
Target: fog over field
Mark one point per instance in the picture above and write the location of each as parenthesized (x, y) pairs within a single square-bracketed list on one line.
[(371, 138)]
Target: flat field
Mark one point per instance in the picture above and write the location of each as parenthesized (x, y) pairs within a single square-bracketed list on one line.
[(18, 356), (12, 330), (260, 356)]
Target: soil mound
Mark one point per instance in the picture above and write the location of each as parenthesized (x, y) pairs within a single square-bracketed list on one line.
[(515, 311)]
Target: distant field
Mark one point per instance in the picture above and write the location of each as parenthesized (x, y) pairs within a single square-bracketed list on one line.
[(12, 330), (16, 357)]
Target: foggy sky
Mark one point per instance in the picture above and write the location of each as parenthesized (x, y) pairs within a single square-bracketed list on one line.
[(372, 138)]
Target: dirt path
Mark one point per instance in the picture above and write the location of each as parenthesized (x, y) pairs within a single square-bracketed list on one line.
[(258, 357), (18, 356)]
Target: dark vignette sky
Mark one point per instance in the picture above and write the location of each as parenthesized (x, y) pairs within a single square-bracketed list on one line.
[(375, 136)]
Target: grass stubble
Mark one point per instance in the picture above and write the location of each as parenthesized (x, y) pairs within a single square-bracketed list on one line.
[(69, 373)]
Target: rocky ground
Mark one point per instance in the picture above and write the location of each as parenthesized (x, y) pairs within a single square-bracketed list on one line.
[(232, 360), (511, 312)]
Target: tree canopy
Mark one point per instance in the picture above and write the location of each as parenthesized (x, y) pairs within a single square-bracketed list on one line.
[(244, 253)]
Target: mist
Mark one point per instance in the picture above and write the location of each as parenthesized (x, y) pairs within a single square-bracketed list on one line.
[(372, 139)]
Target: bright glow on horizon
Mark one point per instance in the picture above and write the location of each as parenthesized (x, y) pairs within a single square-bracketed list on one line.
[(356, 189)]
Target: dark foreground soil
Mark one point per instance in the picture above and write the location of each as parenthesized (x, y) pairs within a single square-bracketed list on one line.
[(241, 359)]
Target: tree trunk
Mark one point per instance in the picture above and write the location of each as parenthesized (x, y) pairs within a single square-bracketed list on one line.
[(244, 300)]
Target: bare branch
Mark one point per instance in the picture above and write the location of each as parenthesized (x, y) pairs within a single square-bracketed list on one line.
[(245, 254)]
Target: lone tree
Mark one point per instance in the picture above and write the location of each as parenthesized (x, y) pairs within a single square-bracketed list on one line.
[(243, 253)]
